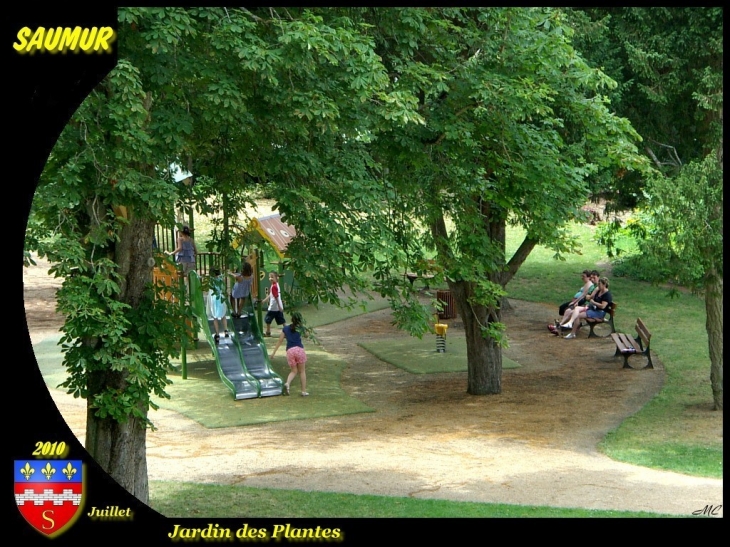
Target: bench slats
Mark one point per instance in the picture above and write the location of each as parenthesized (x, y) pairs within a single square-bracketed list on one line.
[(620, 346), (623, 342), (643, 332), (626, 339), (627, 346)]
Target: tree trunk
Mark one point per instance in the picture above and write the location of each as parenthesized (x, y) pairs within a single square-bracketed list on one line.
[(713, 306), (135, 256), (121, 448), (484, 356)]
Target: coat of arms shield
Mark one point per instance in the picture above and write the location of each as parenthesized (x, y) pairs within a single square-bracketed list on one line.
[(49, 493)]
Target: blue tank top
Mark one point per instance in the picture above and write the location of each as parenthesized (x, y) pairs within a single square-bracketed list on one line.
[(293, 339)]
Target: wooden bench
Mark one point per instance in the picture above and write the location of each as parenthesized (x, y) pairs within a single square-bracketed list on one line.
[(607, 319), (629, 347)]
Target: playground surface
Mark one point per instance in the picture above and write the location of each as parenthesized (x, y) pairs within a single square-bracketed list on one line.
[(533, 444)]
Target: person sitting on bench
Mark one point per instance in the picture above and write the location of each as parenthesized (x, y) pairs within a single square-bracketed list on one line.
[(590, 281), (596, 308)]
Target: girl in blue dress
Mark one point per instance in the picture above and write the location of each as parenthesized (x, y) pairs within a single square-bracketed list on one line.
[(217, 309), (186, 251), (242, 288)]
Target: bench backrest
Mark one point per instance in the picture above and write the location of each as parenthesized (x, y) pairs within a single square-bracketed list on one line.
[(612, 308), (643, 332)]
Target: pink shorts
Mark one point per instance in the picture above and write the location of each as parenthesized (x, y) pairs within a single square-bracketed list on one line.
[(296, 356)]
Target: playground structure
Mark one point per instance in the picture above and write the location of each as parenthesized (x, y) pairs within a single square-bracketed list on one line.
[(269, 230), (440, 329), (241, 360)]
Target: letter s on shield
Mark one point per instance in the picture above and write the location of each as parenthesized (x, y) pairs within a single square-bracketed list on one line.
[(49, 493)]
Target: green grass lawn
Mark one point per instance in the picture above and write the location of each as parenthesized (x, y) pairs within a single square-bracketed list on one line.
[(176, 499), (49, 358), (419, 356), (203, 397), (326, 314)]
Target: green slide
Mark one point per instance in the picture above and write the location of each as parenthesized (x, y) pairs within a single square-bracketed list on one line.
[(242, 361)]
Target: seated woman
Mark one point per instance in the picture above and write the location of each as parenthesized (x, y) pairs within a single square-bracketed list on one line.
[(596, 308), (579, 298)]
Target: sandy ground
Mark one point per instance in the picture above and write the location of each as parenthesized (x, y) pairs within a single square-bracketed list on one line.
[(533, 444)]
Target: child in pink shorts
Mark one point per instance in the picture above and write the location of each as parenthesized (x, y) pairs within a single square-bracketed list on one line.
[(295, 354)]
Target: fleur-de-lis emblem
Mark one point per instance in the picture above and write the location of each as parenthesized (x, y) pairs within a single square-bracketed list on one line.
[(27, 471), (48, 471), (69, 471)]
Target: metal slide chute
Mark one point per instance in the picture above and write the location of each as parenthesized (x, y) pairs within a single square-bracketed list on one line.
[(250, 337), (227, 354), (242, 361)]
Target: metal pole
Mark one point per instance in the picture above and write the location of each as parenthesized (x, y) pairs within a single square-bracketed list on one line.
[(181, 282), (260, 288)]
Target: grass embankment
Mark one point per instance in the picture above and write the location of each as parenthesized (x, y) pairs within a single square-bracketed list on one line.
[(174, 499)]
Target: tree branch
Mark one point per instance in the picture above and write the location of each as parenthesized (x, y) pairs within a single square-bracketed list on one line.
[(518, 259), (653, 157), (443, 135), (673, 161), (252, 15)]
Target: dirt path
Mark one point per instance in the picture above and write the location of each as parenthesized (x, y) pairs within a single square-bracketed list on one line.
[(533, 444)]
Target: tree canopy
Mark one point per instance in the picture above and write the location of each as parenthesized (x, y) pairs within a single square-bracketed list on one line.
[(514, 124), (668, 66), (188, 84)]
